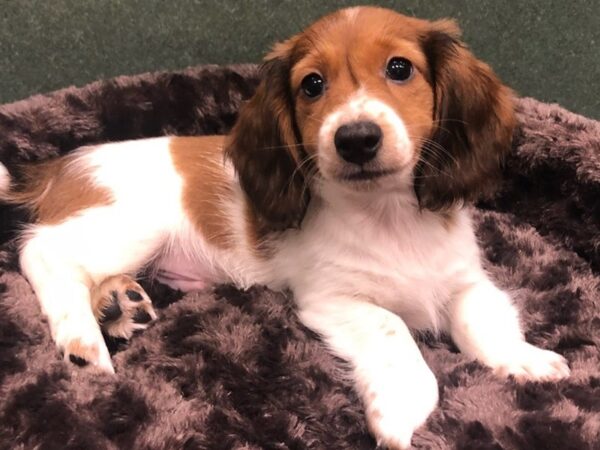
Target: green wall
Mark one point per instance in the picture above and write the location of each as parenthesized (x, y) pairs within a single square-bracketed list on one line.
[(548, 49)]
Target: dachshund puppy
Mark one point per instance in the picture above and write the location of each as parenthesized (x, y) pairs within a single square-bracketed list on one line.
[(345, 179)]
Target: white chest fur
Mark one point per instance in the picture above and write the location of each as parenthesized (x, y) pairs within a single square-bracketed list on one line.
[(386, 252)]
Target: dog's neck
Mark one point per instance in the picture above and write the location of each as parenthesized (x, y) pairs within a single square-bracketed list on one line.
[(379, 206)]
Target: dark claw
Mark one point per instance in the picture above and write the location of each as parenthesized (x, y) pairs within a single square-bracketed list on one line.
[(134, 296), (141, 316), (114, 344), (113, 311), (78, 361)]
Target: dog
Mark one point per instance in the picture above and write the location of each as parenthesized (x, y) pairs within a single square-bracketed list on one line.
[(346, 179)]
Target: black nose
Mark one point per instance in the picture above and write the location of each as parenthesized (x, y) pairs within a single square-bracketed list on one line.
[(358, 142)]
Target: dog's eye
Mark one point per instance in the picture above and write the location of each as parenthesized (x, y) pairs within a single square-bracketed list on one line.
[(313, 85), (399, 69)]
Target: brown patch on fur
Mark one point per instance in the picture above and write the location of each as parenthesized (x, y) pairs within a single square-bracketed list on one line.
[(257, 233), (207, 189), (57, 189), (265, 150), (474, 122), (77, 348)]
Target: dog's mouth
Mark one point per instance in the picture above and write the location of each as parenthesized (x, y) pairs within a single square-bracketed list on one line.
[(366, 175)]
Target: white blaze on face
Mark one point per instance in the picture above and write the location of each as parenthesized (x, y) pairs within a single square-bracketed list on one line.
[(352, 13), (397, 148)]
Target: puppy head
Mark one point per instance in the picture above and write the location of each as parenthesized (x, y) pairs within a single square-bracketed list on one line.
[(372, 101)]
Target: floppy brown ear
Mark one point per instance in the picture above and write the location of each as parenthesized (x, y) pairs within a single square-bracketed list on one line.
[(264, 147), (474, 122)]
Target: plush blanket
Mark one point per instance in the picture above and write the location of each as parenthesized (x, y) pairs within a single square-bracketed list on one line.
[(230, 369)]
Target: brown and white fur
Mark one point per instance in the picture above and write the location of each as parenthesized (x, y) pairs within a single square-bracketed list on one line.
[(370, 250)]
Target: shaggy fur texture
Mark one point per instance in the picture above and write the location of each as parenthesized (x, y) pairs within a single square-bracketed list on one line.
[(228, 369)]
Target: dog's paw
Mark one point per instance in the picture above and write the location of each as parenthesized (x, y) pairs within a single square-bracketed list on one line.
[(529, 363), (80, 341), (395, 408), (121, 306)]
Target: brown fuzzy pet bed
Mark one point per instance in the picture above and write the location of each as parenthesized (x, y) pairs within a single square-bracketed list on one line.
[(226, 369)]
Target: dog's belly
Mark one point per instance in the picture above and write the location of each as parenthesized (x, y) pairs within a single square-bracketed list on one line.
[(192, 263), (179, 272)]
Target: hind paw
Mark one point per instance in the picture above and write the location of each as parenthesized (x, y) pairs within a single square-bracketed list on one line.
[(121, 306)]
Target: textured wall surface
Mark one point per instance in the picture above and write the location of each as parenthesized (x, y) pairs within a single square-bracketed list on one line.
[(548, 49)]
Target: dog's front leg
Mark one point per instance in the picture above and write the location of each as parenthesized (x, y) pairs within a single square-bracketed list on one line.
[(485, 325), (397, 387)]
